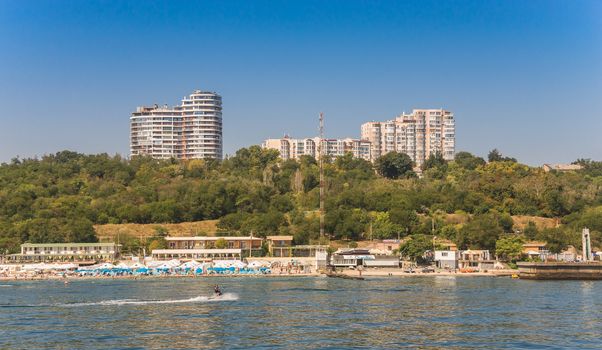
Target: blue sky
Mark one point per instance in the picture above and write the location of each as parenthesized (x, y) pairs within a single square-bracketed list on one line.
[(521, 76)]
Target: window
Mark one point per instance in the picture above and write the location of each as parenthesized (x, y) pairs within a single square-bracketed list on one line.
[(444, 254)]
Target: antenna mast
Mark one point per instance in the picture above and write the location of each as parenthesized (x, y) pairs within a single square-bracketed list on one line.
[(321, 163)]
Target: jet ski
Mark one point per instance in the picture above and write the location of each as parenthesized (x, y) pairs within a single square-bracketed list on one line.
[(217, 292)]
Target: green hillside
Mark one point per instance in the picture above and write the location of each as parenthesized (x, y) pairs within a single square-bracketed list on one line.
[(61, 197)]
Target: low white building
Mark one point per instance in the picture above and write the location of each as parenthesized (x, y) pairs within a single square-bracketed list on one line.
[(447, 259), (65, 252), (197, 254), (362, 257)]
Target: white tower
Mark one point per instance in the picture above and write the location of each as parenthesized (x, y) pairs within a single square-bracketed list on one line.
[(586, 245)]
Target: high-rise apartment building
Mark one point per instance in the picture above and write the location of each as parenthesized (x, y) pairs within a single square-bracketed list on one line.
[(191, 130), (295, 148), (419, 134)]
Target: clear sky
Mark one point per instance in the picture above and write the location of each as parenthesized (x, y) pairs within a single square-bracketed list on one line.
[(521, 76)]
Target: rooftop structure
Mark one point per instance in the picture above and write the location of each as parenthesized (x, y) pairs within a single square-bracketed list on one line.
[(561, 167)]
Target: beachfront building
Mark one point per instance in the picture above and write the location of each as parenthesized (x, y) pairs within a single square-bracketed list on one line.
[(280, 246), (197, 254), (478, 260), (536, 249), (82, 253), (418, 134), (350, 257), (295, 148), (202, 247), (362, 257), (188, 131), (447, 259)]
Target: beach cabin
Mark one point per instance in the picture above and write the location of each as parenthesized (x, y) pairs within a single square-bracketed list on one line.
[(280, 246), (447, 259), (350, 258), (536, 250), (477, 260)]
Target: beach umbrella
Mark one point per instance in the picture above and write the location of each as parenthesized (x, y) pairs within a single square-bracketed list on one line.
[(256, 264), (174, 262), (238, 264), (64, 266), (190, 264), (220, 264), (33, 267)]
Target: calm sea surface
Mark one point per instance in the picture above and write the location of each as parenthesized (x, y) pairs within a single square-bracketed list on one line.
[(295, 313)]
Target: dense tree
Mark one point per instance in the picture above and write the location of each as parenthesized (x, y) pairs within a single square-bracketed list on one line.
[(509, 247), (557, 239), (495, 156), (481, 232), (414, 247), (406, 219), (434, 161), (468, 161), (382, 227), (531, 230), (394, 165)]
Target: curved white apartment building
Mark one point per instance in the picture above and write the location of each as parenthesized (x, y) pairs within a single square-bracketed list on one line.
[(191, 130)]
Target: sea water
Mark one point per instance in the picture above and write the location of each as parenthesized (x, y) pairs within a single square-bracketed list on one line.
[(301, 312)]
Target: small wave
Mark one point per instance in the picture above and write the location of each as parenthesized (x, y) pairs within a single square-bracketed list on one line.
[(6, 285), (304, 290), (199, 299)]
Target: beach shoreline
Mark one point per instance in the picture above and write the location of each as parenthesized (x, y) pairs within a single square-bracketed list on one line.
[(351, 273)]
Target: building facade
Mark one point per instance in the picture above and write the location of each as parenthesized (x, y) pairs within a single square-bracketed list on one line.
[(418, 134), (66, 252), (295, 148), (190, 131), (202, 245)]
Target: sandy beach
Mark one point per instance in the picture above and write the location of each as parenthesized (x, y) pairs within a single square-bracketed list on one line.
[(354, 273)]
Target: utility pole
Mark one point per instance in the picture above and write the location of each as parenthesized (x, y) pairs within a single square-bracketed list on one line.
[(321, 163)]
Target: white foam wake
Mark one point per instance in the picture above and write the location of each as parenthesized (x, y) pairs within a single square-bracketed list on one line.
[(199, 299)]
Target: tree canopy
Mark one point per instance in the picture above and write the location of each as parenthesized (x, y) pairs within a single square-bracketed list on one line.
[(60, 197), (394, 165)]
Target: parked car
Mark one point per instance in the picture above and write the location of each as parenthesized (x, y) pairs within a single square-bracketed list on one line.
[(428, 269)]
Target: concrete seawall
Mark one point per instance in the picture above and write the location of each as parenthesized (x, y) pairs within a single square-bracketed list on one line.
[(560, 270)]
